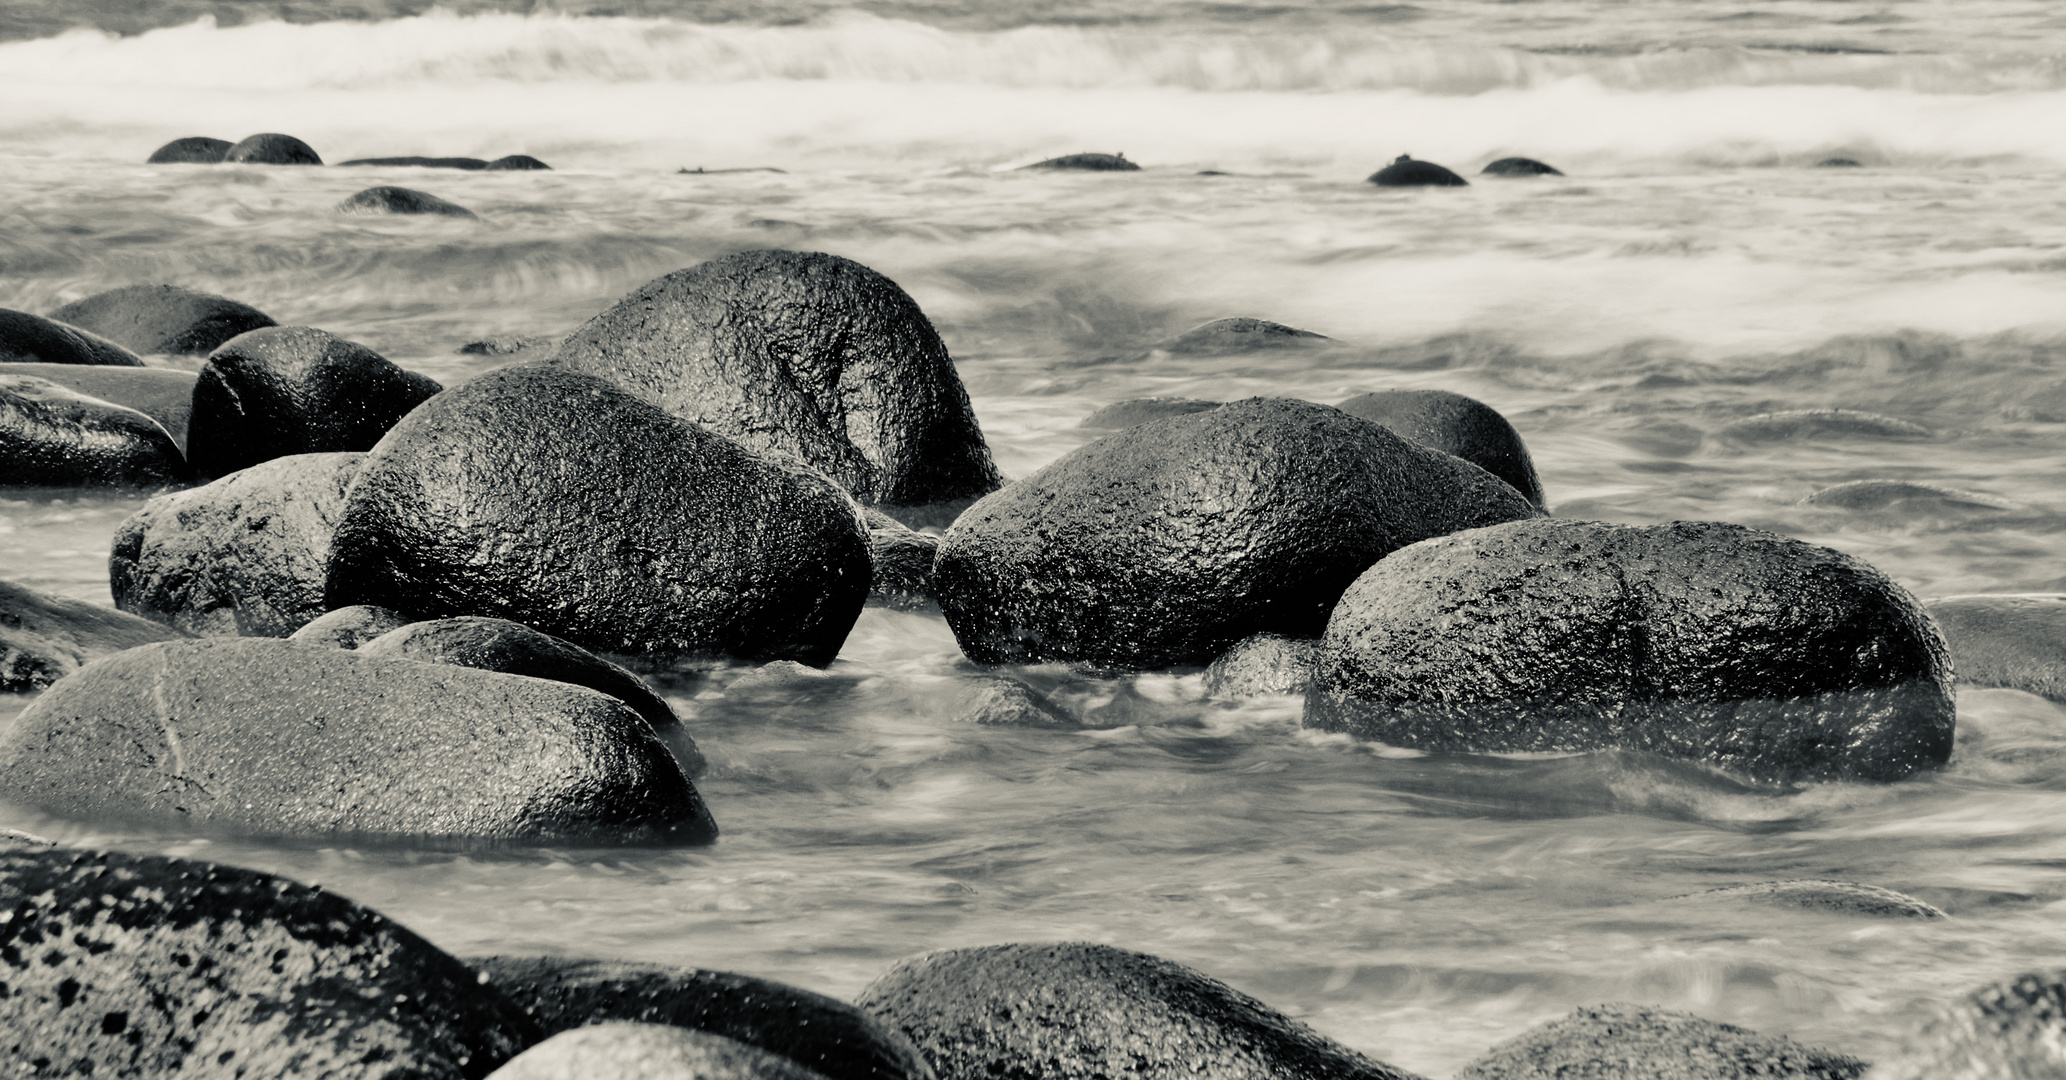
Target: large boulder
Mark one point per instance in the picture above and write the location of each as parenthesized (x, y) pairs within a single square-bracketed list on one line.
[(250, 736), (1454, 424), (271, 149), (243, 555), (192, 150), (1168, 542), (1078, 1011), (32, 339), (565, 503), (139, 965), (162, 394), (622, 1051), (163, 318), (294, 390), (43, 638), (53, 436), (803, 354), (388, 199), (2014, 641), (1631, 1042), (2010, 1030), (1699, 640)]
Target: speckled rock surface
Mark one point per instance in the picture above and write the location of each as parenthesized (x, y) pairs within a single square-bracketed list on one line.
[(1092, 162), (258, 737), (26, 338), (2011, 1030), (1223, 337), (271, 148), (295, 390), (1078, 1011), (1168, 542), (1630, 1042), (161, 394), (43, 637), (1263, 664), (1454, 424), (565, 503), (1520, 166), (127, 965), (1835, 897), (350, 627), (1697, 640), (1126, 414), (54, 436), (1406, 172), (2016, 641), (163, 318), (620, 1051), (388, 199), (192, 150)]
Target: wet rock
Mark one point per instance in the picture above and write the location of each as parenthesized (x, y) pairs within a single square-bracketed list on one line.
[(43, 637), (1406, 172), (387, 199), (52, 436), (163, 395), (1087, 163), (619, 1051), (15, 838), (135, 965), (1631, 1042), (999, 702), (1820, 424), (903, 562), (271, 149), (469, 163), (802, 354), (1696, 640), (243, 555), (807, 1029), (504, 345), (290, 390), (2014, 641), (1905, 496), (2012, 1030), (1166, 543), (256, 737), (1454, 424), (192, 150), (562, 502), (350, 627), (1839, 163), (1075, 1011), (1223, 337), (1263, 664), (517, 163), (32, 339), (1520, 166), (1125, 414), (163, 318), (1837, 897)]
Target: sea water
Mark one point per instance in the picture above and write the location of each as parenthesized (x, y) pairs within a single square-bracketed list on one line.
[(1693, 267)]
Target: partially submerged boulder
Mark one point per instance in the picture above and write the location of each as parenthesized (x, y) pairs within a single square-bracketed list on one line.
[(388, 199), (1520, 166), (1835, 897), (289, 390), (621, 1051), (43, 637), (518, 163), (1087, 163), (995, 701), (163, 318), (1223, 337), (2013, 641), (1406, 172), (32, 339), (192, 150), (1633, 1042), (1263, 664), (1454, 424), (468, 163), (1907, 498), (271, 149), (162, 394), (53, 436)]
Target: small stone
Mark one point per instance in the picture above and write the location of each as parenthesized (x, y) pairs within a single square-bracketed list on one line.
[(1458, 425), (467, 163), (504, 345), (163, 395), (1905, 496), (1839, 163)]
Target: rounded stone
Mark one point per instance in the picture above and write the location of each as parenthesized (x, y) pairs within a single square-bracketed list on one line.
[(271, 149), (518, 163), (163, 318), (621, 1051), (388, 199), (1454, 424), (1226, 337), (32, 339), (350, 627), (53, 436), (2018, 642), (1263, 664), (192, 150), (163, 395), (289, 390), (43, 637), (1087, 163), (1406, 172), (1835, 897), (1126, 414), (1633, 1042), (1520, 166)]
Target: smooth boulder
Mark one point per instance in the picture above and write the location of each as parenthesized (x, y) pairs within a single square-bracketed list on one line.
[(1406, 172), (1166, 543), (565, 503), (623, 1051), (1520, 166), (32, 339), (288, 390), (192, 150), (1698, 640), (1633, 1042), (163, 318), (1087, 163), (1454, 424), (162, 394), (388, 199), (2018, 642), (257, 737), (53, 436), (271, 149), (44, 637), (350, 627)]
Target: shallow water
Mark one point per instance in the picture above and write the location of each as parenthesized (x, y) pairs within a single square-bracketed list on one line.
[(1692, 270)]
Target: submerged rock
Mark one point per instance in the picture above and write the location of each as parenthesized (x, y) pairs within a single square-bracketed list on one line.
[(32, 339), (163, 318), (1223, 337), (388, 199), (2011, 1030), (53, 436), (1454, 424), (993, 701), (469, 163), (1406, 172), (289, 390), (350, 627), (1263, 664), (1839, 163), (43, 637), (1821, 424), (1126, 414), (1520, 166), (903, 562), (2014, 641), (1905, 496), (161, 394), (621, 1051), (1839, 897), (192, 150), (1087, 163), (517, 163), (1633, 1042), (271, 149)]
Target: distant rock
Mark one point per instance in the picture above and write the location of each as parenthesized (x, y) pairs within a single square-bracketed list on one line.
[(32, 339), (53, 436), (350, 627), (1520, 166), (504, 345), (620, 1051), (388, 199), (469, 163), (163, 395), (271, 149), (1633, 1042), (43, 637), (192, 150), (1839, 163), (162, 318), (289, 390), (701, 171), (1906, 496), (1087, 163), (1821, 424), (2011, 1030), (1454, 424), (1836, 897), (1126, 414), (1406, 172), (1225, 337), (517, 163), (994, 701), (1263, 664), (2018, 642)]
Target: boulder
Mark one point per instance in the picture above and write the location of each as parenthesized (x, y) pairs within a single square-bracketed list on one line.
[(522, 163), (139, 965), (2018, 642), (802, 354), (1125, 414), (2011, 1030), (994, 701), (43, 638), (1632, 1042), (289, 390), (1907, 497), (562, 502), (32, 339), (504, 345), (1834, 897), (806, 1029), (1406, 172), (1168, 542), (162, 394), (1077, 1010), (243, 555), (1520, 166), (1223, 337), (619, 1051), (350, 627), (271, 149), (1087, 163), (256, 737), (1263, 664), (470, 163), (192, 150), (903, 562), (53, 436), (388, 199), (1696, 640), (1796, 424), (1454, 424), (162, 318)]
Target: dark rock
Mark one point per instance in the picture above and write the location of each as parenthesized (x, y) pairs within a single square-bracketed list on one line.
[(291, 390), (1631, 1042), (503, 345), (2014, 641), (1263, 664), (1454, 424), (1905, 496), (518, 163), (137, 965), (162, 318), (243, 555), (271, 149), (811, 1030), (1696, 640), (192, 150), (903, 562), (1168, 542), (620, 1051), (1088, 163), (562, 502), (53, 436), (1223, 337), (1839, 163), (163, 395), (388, 199), (1821, 424), (2011, 1030), (999, 702), (1126, 414), (1520, 166), (1406, 172), (1838, 897), (701, 171), (32, 339), (1077, 1011), (350, 627), (802, 354), (470, 163), (43, 638), (248, 736)]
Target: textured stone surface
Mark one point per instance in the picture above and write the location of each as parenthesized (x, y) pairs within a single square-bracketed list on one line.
[(1126, 414), (53, 436), (192, 150), (1168, 542), (163, 395), (621, 1051), (1263, 664), (163, 318), (2011, 1030), (1837, 897), (1696, 640), (1820, 424), (2014, 641), (388, 199), (272, 149), (1001, 702), (1406, 172), (32, 339), (1454, 424), (1223, 337), (350, 627), (1087, 163), (1631, 1042), (250, 736), (1077, 1011), (1520, 166), (291, 390), (43, 638)]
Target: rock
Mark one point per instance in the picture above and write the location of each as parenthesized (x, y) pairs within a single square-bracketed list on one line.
[(31, 339), (470, 163), (1263, 664), (192, 150), (161, 394), (562, 502), (2011, 1030), (807, 1029), (1227, 336), (1406, 172), (1839, 163), (15, 838), (503, 345), (1126, 414), (290, 390), (1905, 496), (1632, 1042), (647, 1052), (1821, 424), (43, 638), (243, 555), (350, 627), (136, 965), (1696, 640), (2014, 641), (254, 737), (52, 436), (993, 701), (1454, 424), (1077, 1011), (520, 163), (1520, 166), (1168, 542), (162, 318), (903, 562), (271, 149), (1087, 163), (802, 354), (1836, 897), (388, 199)]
